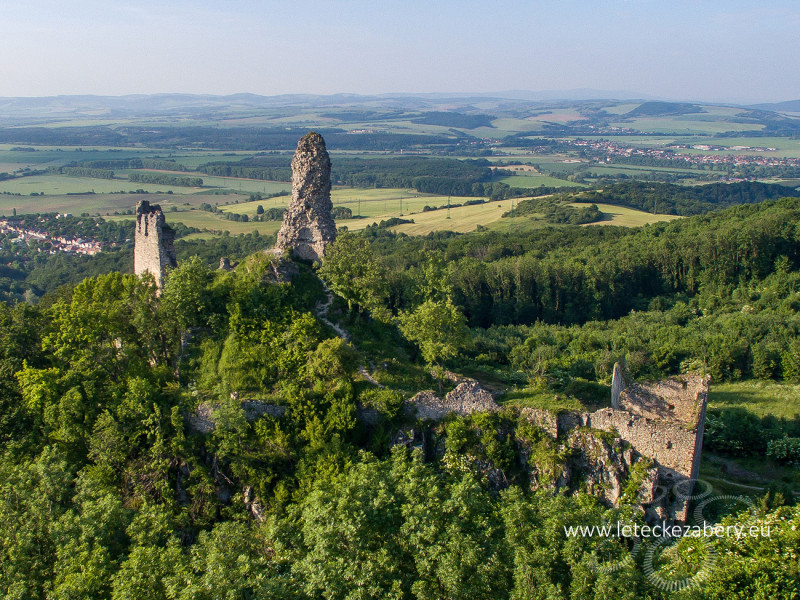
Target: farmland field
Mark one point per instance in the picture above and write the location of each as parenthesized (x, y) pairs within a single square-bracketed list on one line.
[(461, 219), (374, 202), (104, 204), (685, 124), (62, 184)]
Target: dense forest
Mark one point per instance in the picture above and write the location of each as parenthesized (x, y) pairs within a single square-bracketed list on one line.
[(428, 175), (107, 489), (671, 199)]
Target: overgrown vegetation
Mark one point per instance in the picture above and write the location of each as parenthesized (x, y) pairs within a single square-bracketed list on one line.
[(108, 491)]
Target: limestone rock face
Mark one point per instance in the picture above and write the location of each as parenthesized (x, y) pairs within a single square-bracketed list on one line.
[(308, 225), (154, 251), (468, 397)]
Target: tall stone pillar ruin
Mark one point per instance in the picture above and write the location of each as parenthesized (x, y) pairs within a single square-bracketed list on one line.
[(154, 251), (308, 225)]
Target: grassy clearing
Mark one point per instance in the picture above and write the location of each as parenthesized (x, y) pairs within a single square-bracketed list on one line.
[(761, 398), (626, 217), (544, 399)]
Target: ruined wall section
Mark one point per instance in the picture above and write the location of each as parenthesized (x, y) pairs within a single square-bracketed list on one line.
[(617, 385), (663, 421), (672, 446), (154, 250)]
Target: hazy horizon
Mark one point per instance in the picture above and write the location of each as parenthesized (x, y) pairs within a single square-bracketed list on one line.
[(692, 50)]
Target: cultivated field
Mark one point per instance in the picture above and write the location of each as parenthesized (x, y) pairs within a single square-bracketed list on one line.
[(61, 184), (105, 204)]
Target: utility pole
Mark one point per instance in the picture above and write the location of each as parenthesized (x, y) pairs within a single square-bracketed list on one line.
[(448, 207)]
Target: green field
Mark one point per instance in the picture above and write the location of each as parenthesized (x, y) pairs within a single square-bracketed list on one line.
[(626, 217), (685, 124), (104, 204), (62, 184), (762, 398), (373, 202)]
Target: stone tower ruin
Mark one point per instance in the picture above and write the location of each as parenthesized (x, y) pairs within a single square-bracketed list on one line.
[(308, 226), (154, 251)]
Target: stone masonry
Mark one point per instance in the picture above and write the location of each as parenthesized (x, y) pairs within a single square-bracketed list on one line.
[(663, 420), (154, 251), (617, 385), (308, 225)]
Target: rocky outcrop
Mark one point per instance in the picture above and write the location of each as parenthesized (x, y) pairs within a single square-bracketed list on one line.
[(154, 251), (202, 420), (308, 225), (467, 397)]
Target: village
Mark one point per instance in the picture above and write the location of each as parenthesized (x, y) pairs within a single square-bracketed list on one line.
[(609, 150), (47, 243)]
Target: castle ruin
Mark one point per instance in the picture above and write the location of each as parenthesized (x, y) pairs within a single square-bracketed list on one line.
[(154, 251), (663, 421), (308, 225)]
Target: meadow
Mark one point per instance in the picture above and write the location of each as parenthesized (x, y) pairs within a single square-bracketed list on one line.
[(761, 398), (626, 217)]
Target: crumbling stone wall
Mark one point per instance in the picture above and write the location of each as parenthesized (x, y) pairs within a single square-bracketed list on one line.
[(663, 421), (154, 249), (308, 226), (671, 445)]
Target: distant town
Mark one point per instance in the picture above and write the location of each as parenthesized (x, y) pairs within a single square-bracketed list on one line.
[(609, 149), (47, 242)]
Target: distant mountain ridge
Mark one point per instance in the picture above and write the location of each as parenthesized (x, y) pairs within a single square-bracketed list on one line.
[(788, 106), (40, 110)]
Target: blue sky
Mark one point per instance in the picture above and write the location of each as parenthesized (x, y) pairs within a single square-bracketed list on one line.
[(720, 50)]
